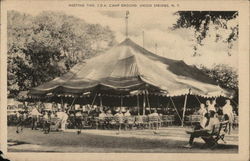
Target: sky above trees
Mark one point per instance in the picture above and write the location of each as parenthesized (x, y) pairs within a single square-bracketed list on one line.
[(157, 26)]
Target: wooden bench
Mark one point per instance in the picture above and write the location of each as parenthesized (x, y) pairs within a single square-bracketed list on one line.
[(129, 122)]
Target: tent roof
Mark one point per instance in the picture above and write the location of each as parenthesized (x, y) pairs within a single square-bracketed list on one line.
[(128, 67)]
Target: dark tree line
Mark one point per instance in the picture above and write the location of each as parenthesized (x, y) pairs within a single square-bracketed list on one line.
[(45, 46)]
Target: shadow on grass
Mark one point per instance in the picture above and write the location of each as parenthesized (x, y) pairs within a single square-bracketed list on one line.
[(134, 144), (86, 142), (16, 142)]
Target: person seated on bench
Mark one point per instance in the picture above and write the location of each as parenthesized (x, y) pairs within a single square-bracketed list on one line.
[(212, 121), (102, 117)]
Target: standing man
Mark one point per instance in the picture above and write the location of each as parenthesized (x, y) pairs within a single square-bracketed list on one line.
[(228, 114), (119, 115), (63, 116), (155, 119), (34, 114)]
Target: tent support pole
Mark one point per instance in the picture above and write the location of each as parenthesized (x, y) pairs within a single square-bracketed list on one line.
[(144, 104), (197, 99), (158, 102), (100, 100), (62, 103), (72, 102), (175, 108), (138, 105), (166, 109), (121, 101), (168, 104), (148, 103), (184, 110), (92, 104)]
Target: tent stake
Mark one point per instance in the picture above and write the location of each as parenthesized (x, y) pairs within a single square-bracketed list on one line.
[(184, 110), (175, 109)]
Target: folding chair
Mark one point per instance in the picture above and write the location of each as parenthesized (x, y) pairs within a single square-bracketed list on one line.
[(217, 134), (170, 119), (129, 121), (54, 124), (145, 121), (139, 122)]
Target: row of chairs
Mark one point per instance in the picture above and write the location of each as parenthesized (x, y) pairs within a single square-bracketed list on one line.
[(194, 119), (135, 121)]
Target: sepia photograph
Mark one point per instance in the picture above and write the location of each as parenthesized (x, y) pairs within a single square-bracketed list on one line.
[(122, 78)]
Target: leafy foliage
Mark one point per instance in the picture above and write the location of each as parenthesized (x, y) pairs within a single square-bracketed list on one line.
[(225, 75), (201, 22), (43, 47)]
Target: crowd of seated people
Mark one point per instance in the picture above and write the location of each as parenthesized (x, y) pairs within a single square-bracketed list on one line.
[(41, 118), (79, 117)]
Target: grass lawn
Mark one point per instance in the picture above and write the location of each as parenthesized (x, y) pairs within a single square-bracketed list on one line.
[(168, 140)]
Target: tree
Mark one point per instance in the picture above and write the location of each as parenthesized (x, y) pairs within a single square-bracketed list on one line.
[(225, 76), (43, 47), (203, 21)]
